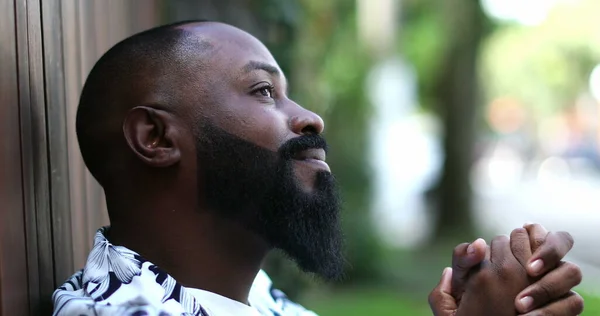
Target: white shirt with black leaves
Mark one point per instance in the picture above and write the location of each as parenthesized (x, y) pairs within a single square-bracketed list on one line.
[(117, 281)]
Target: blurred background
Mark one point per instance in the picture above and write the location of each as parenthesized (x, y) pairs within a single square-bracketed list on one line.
[(447, 121)]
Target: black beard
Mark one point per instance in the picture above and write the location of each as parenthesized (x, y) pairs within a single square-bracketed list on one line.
[(257, 187)]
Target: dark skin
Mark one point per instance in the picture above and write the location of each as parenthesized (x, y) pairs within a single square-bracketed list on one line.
[(505, 274), (156, 210), (163, 147)]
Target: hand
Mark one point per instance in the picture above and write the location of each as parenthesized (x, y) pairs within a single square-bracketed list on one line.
[(553, 288), (492, 287), (550, 295)]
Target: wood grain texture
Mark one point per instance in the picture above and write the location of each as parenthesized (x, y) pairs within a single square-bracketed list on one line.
[(13, 274)]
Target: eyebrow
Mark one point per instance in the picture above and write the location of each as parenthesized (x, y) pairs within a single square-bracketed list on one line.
[(257, 65)]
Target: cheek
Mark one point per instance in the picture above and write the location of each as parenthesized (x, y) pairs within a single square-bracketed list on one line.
[(265, 127)]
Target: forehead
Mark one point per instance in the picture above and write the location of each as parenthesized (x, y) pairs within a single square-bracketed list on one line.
[(233, 49)]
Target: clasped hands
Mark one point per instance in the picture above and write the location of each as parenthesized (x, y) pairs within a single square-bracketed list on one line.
[(520, 275)]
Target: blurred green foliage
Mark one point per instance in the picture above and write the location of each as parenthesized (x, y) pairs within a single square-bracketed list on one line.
[(368, 303), (544, 67), (386, 303), (423, 45)]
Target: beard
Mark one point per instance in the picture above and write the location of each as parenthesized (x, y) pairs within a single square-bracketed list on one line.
[(258, 188)]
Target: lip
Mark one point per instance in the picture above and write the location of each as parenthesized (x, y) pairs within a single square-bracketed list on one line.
[(313, 157), (313, 153), (314, 163)]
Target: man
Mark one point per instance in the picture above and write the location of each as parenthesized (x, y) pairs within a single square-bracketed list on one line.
[(207, 166)]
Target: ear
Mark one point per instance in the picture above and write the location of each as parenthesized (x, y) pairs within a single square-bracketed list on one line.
[(152, 135)]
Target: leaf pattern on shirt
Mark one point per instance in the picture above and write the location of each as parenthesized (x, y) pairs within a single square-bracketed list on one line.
[(174, 291), (117, 281), (108, 267)]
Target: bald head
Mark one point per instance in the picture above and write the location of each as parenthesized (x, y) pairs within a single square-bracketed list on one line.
[(164, 67), (141, 69)]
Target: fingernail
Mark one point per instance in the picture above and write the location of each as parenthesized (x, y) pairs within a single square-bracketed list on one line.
[(537, 266), (526, 302), (470, 249), (447, 274)]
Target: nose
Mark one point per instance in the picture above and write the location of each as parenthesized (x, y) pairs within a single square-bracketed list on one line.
[(304, 122)]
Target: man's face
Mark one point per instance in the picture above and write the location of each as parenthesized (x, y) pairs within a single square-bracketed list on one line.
[(260, 156)]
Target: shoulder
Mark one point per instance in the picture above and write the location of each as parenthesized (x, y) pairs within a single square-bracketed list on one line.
[(73, 298), (271, 301)]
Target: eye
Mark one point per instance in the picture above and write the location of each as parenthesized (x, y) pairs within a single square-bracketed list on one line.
[(265, 91)]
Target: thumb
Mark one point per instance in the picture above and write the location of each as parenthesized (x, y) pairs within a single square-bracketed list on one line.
[(465, 258), (440, 300)]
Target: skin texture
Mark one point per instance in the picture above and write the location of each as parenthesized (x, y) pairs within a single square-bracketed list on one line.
[(221, 101), (487, 280), (162, 192)]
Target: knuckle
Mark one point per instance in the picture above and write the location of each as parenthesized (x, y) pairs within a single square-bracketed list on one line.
[(528, 227), (519, 248), (517, 237), (551, 251), (518, 231), (545, 291), (460, 249), (534, 226), (573, 272), (568, 238), (500, 241), (433, 297), (502, 238), (509, 271), (484, 276), (576, 306), (539, 241), (537, 229), (458, 258), (553, 254)]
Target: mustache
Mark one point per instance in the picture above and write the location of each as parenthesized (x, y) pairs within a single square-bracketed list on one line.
[(298, 144)]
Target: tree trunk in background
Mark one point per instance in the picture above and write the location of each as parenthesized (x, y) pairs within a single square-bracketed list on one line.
[(457, 96)]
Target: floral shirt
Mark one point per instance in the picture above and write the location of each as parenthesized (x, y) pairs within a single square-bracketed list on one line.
[(118, 281)]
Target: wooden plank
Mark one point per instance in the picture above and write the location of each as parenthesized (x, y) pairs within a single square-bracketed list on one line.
[(52, 35), (35, 158), (74, 53), (13, 264), (27, 152)]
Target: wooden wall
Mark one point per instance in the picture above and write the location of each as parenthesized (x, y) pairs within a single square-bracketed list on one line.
[(50, 206)]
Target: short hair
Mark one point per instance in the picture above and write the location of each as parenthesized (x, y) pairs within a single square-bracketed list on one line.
[(105, 96)]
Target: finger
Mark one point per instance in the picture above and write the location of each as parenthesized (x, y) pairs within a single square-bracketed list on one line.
[(571, 304), (554, 285), (465, 257), (550, 253), (445, 284), (520, 245), (537, 235), (440, 299), (500, 249)]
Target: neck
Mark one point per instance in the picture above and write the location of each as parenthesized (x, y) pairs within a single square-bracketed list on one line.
[(198, 249)]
